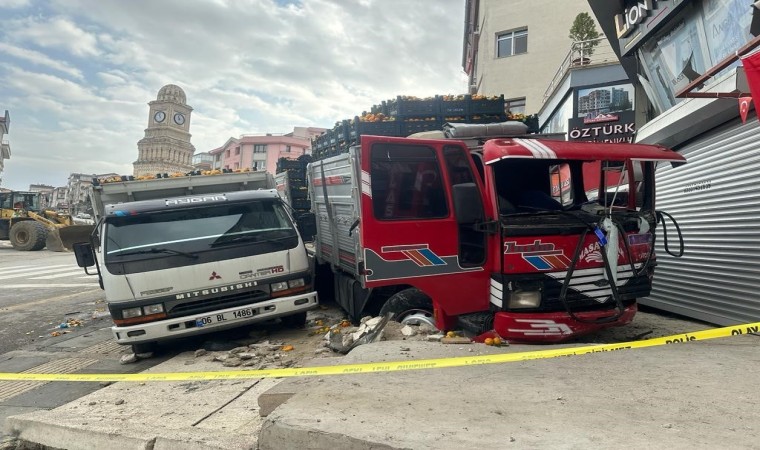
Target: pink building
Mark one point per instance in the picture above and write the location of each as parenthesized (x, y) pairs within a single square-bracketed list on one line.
[(262, 152)]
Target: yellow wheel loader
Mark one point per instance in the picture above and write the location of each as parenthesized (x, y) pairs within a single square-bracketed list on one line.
[(30, 228)]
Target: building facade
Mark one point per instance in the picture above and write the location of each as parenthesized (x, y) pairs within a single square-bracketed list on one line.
[(58, 200), (262, 152), (683, 58), (5, 147), (166, 147), (515, 48)]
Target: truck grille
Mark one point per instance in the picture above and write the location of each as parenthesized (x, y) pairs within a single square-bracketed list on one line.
[(213, 304)]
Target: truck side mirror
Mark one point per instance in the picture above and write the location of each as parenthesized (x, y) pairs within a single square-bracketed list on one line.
[(84, 254), (307, 226), (468, 206)]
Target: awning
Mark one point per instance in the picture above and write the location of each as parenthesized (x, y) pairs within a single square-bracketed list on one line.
[(498, 149)]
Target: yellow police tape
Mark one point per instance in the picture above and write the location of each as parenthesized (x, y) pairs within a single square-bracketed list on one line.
[(395, 366)]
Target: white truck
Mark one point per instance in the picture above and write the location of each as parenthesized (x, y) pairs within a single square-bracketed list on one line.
[(196, 254)]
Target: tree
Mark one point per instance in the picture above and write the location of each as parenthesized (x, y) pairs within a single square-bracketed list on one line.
[(584, 35)]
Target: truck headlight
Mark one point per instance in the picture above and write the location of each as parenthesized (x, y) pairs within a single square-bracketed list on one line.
[(298, 282), (524, 299), (129, 313), (153, 309), (279, 286)]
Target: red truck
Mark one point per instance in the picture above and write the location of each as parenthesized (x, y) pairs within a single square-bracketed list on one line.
[(535, 240)]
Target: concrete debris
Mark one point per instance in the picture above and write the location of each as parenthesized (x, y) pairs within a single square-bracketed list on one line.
[(201, 352), (237, 350), (129, 358), (232, 362), (408, 331), (369, 331), (435, 337)]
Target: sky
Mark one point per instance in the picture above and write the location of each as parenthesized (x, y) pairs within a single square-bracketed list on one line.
[(76, 75)]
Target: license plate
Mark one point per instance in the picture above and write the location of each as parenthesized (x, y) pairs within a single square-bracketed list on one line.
[(230, 316)]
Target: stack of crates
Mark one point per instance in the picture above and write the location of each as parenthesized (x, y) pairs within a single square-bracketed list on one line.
[(404, 116), (297, 188)]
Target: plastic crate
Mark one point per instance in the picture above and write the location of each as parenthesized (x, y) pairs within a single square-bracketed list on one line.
[(387, 128), (284, 164), (452, 108), (342, 131), (417, 126), (487, 106), (299, 203), (297, 193), (413, 108)]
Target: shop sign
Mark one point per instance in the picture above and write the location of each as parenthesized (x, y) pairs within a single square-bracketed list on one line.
[(641, 18), (612, 127)]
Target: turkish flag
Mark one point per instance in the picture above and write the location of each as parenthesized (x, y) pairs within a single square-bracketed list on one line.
[(751, 65), (744, 103)]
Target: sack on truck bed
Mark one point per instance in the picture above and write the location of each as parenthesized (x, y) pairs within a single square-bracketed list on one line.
[(465, 130)]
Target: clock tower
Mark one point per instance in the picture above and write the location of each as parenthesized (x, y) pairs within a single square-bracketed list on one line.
[(166, 147)]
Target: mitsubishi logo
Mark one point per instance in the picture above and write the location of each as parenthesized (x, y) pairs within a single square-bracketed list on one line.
[(214, 276)]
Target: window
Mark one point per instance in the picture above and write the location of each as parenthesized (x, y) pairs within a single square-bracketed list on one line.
[(512, 43), (227, 154), (259, 148), (287, 149), (406, 183), (515, 106), (237, 150), (261, 225)]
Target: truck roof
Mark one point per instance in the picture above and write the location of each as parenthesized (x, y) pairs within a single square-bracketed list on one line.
[(129, 208), (498, 149)]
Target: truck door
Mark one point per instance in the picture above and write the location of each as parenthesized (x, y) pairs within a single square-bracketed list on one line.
[(409, 233)]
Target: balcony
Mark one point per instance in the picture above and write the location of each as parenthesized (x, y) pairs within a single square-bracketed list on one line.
[(582, 55), (5, 150)]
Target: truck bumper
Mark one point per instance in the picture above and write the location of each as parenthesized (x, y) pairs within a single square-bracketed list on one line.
[(215, 321), (554, 327)]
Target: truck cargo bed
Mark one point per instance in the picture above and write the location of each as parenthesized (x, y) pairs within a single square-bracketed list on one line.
[(335, 190)]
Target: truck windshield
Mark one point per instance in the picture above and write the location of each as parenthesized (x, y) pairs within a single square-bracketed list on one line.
[(529, 186), (193, 230)]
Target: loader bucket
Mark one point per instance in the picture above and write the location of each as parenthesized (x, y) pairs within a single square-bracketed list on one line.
[(64, 238)]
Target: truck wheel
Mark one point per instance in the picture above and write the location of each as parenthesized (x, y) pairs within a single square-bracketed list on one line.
[(295, 320), (410, 307), (28, 236)]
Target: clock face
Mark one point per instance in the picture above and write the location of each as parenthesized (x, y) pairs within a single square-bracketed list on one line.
[(179, 119), (159, 116)]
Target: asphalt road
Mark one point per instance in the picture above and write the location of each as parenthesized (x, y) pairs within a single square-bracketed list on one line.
[(41, 290)]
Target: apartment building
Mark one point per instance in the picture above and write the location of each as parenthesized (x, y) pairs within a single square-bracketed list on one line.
[(258, 152), (5, 147)]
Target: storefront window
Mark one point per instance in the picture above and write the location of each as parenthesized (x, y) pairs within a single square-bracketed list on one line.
[(726, 27), (701, 36), (674, 59)]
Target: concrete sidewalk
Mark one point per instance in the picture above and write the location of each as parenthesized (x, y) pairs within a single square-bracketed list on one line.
[(696, 395)]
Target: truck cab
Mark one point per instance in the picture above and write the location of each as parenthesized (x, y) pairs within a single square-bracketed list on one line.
[(191, 264), (498, 235)]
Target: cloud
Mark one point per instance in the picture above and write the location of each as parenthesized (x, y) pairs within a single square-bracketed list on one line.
[(55, 33), (81, 72)]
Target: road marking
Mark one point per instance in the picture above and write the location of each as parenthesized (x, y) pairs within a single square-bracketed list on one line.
[(59, 275), (61, 366), (16, 269), (46, 285), (392, 366), (44, 301), (34, 272)]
